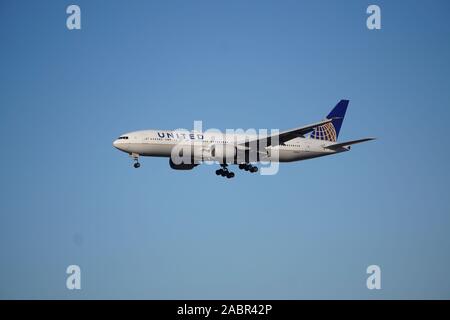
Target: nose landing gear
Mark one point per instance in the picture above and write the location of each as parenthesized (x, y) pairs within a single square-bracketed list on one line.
[(135, 157), (224, 172)]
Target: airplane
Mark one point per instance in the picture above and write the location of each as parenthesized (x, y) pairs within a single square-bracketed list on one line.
[(242, 149)]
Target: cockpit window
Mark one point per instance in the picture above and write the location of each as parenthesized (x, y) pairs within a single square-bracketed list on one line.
[(122, 138)]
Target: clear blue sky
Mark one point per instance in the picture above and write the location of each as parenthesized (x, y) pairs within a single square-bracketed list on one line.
[(68, 197)]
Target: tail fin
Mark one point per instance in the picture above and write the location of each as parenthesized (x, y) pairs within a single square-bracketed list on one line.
[(330, 131)]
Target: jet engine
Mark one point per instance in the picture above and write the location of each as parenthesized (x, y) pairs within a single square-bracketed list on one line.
[(224, 153), (181, 166)]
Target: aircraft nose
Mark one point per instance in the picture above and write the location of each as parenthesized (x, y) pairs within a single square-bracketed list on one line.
[(116, 144)]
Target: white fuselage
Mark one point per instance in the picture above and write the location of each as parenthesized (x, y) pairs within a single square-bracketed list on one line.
[(160, 143)]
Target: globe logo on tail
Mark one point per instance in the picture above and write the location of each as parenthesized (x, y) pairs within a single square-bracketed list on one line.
[(325, 132)]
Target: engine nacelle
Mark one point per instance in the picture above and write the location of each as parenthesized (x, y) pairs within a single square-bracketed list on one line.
[(181, 166), (224, 153)]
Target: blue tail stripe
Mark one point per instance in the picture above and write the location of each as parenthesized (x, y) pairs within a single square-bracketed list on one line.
[(338, 112)]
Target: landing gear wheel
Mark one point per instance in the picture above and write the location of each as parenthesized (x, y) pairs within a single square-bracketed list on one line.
[(248, 167), (137, 165), (224, 172)]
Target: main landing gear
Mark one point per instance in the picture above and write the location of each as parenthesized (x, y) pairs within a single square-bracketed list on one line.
[(135, 157), (248, 167), (224, 172)]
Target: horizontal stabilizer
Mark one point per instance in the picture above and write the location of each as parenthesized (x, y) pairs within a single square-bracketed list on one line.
[(347, 143)]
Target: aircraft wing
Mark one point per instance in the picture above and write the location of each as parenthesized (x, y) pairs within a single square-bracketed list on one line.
[(347, 143), (284, 136)]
